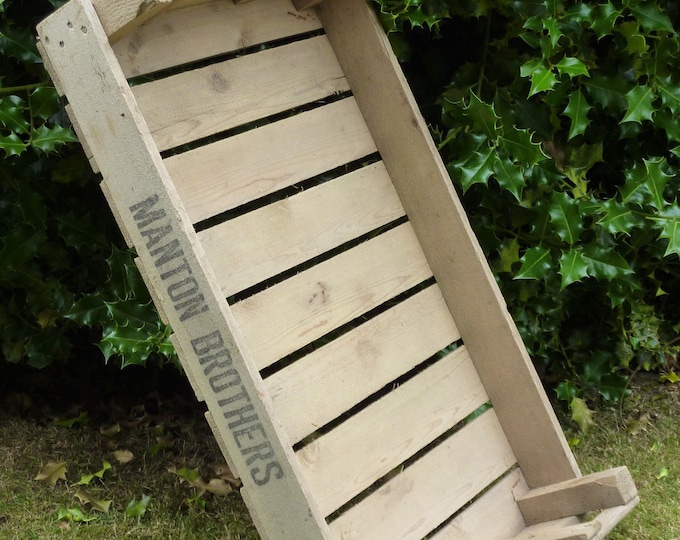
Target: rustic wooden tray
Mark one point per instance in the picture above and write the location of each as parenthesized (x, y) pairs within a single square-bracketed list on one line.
[(330, 304)]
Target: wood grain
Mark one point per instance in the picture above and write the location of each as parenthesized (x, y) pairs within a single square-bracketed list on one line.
[(307, 306), (370, 444), (234, 171), (202, 102), (187, 33)]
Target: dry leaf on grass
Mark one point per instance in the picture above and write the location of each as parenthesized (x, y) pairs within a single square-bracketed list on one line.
[(52, 472), (123, 456), (86, 497)]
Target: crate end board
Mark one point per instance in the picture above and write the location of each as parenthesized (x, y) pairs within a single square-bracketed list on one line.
[(79, 54)]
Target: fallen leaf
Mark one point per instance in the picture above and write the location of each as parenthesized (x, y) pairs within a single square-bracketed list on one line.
[(52, 472), (72, 515), (85, 497), (663, 473), (635, 427), (670, 377), (81, 419), (137, 508), (110, 431), (217, 486), (85, 479), (581, 414), (223, 471), (123, 456)]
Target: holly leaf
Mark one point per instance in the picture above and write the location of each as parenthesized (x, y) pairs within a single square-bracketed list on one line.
[(604, 18), (483, 116), (640, 104), (619, 218), (656, 180), (45, 102), (670, 94), (566, 217), (519, 144), (651, 18), (542, 80), (51, 473), (74, 515), (636, 43), (572, 67), (85, 497), (573, 267), (536, 264), (89, 310), (577, 110), (47, 139), (581, 414), (478, 166), (509, 255), (670, 377), (671, 229), (609, 91), (605, 263), (85, 479), (509, 177), (12, 145), (137, 508), (12, 109), (18, 42)]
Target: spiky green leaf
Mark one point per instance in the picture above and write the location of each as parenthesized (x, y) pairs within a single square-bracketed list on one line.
[(572, 67), (509, 177), (47, 139), (13, 114), (640, 104), (577, 110), (536, 264), (573, 267), (566, 217), (651, 17), (542, 80)]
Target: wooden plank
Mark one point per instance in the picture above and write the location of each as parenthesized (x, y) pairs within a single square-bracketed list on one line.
[(231, 172), (190, 33), (120, 16), (295, 312), (327, 382), (78, 49), (350, 458), (202, 102), (294, 230), (606, 489), (457, 260), (425, 494), (494, 515), (570, 529), (306, 4)]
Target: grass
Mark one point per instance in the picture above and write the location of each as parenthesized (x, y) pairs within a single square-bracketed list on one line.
[(644, 435), (165, 428)]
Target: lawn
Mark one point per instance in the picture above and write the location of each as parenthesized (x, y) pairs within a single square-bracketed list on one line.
[(140, 448)]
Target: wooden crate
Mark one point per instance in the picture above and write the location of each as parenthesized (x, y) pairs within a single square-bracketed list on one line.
[(330, 303)]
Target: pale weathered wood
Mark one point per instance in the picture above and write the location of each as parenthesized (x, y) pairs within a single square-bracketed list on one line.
[(570, 528), (306, 4), (122, 225), (186, 34), (424, 495), (78, 49), (457, 260), (202, 102), (606, 489), (231, 172), (493, 516), (120, 16), (297, 229), (188, 368), (295, 312), (342, 463), (327, 382)]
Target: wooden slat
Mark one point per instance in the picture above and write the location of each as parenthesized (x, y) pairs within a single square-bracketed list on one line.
[(597, 491), (425, 494), (296, 229), (494, 515), (364, 448), (140, 188), (457, 260), (189, 33), (225, 174), (327, 382), (117, 15), (297, 311), (202, 102)]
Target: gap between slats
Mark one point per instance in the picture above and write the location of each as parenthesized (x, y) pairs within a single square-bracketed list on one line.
[(184, 34), (201, 102), (342, 463), (330, 380), (426, 493), (295, 312), (297, 229), (237, 170)]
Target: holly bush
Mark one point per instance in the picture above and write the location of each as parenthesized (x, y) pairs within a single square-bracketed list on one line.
[(559, 122), (66, 278)]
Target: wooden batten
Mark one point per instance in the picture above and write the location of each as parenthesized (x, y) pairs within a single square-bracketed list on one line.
[(607, 489), (121, 16), (440, 223), (306, 4), (139, 186)]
